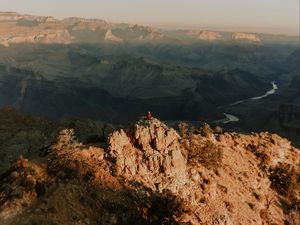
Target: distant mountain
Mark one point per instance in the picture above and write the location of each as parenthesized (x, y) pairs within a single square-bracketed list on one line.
[(17, 28)]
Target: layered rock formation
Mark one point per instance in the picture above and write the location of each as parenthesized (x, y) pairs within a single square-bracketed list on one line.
[(209, 35), (82, 30), (238, 36), (13, 16), (145, 32), (17, 28), (149, 174), (151, 153), (41, 36)]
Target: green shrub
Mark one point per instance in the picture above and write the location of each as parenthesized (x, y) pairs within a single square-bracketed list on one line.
[(209, 154)]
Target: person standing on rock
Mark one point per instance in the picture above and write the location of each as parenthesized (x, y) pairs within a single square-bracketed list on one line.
[(148, 116)]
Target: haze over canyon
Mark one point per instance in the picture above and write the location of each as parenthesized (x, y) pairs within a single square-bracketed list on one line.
[(76, 147)]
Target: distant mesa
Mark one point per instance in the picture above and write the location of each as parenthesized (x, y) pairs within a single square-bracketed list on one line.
[(18, 28), (42, 36), (209, 35), (146, 33), (238, 36), (85, 24), (9, 16), (13, 16)]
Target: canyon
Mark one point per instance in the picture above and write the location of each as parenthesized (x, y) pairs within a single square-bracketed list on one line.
[(221, 147)]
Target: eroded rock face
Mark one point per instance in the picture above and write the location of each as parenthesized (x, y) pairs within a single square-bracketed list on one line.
[(13, 16), (17, 28), (150, 152), (238, 36), (37, 36), (209, 35)]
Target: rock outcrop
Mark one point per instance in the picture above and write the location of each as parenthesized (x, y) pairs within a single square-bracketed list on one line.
[(151, 153), (209, 35), (238, 36), (41, 37), (144, 33)]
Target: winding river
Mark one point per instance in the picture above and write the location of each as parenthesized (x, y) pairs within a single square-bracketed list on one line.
[(232, 118)]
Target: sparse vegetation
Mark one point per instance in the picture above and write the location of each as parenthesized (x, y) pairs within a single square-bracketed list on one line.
[(293, 217), (206, 131), (200, 150), (209, 155), (183, 130), (159, 178), (218, 130), (265, 212), (261, 155), (286, 181), (165, 208)]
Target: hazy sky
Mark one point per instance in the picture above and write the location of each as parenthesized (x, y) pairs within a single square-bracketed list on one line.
[(272, 16)]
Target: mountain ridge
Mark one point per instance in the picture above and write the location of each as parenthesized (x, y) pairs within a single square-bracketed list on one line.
[(18, 28)]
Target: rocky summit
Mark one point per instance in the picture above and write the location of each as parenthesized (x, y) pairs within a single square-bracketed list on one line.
[(148, 173)]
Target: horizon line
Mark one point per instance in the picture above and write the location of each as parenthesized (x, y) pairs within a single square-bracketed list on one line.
[(228, 29)]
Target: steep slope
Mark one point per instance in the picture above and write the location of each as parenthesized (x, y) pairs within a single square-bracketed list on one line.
[(31, 136), (279, 113), (75, 81), (20, 134), (149, 174)]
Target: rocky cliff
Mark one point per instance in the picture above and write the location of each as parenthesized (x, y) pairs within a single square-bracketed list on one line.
[(209, 35), (238, 36), (18, 28), (149, 173)]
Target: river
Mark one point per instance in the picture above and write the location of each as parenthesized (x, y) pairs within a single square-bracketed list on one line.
[(232, 118)]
